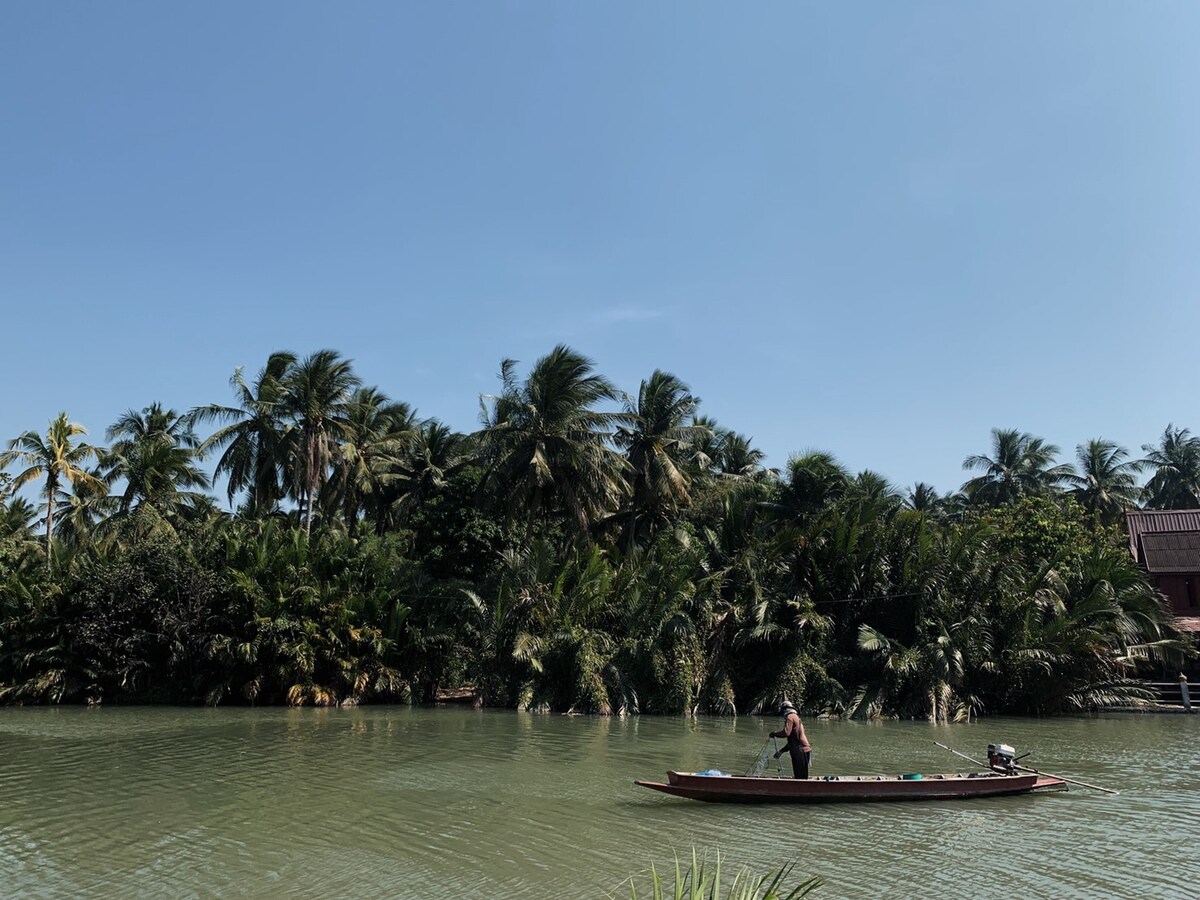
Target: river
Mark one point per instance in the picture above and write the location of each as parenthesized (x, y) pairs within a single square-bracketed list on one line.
[(429, 803)]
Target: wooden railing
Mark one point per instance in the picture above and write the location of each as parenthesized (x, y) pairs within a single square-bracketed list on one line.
[(1175, 693)]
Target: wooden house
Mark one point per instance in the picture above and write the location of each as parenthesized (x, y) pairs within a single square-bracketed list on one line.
[(1166, 544)]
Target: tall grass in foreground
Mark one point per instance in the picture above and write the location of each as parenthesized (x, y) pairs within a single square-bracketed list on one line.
[(699, 882)]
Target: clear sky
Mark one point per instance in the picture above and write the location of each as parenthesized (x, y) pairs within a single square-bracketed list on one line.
[(879, 230)]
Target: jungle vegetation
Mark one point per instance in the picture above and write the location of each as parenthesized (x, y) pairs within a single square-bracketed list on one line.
[(584, 550)]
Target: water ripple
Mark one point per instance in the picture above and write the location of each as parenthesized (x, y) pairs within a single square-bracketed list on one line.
[(393, 802)]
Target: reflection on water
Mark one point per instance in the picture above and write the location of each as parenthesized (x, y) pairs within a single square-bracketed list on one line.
[(394, 802)]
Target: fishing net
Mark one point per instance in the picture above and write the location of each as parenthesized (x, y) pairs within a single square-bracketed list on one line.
[(764, 758)]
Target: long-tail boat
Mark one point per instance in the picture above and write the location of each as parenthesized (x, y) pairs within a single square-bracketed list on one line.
[(1003, 777), (847, 788)]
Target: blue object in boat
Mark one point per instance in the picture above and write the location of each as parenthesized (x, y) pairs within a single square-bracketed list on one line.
[(714, 773), (915, 776)]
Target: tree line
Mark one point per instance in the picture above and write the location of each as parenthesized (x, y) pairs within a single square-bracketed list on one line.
[(584, 550)]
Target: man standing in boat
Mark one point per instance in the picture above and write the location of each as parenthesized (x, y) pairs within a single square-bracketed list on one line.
[(797, 740)]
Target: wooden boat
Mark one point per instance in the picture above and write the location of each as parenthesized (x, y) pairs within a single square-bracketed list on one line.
[(848, 788)]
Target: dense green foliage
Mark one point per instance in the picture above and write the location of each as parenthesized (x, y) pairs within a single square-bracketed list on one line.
[(700, 881), (583, 551)]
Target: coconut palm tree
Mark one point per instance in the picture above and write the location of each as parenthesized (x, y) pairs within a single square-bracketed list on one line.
[(814, 480), (55, 457), (655, 439), (84, 514), (428, 460), (155, 453), (255, 434), (545, 442), (379, 430), (1175, 483), (152, 423), (871, 488), (16, 517), (739, 458), (704, 449), (1106, 485), (1020, 464), (317, 398), (922, 498)]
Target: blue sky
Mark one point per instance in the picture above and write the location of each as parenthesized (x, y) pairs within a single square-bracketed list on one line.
[(879, 231)]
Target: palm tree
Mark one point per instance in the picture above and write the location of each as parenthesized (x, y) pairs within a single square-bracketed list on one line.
[(1020, 464), (155, 454), (1085, 625), (1175, 483), (428, 460), (932, 642), (655, 440), (54, 457), (745, 558), (319, 390), (814, 480), (545, 441), (256, 435), (930, 672), (379, 431), (1106, 485), (871, 488), (85, 514), (704, 450), (506, 627), (739, 458), (16, 516), (153, 423), (922, 498)]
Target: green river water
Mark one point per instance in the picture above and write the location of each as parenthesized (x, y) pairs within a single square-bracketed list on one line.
[(399, 802)]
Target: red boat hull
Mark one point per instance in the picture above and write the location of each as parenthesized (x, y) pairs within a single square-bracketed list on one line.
[(847, 788)]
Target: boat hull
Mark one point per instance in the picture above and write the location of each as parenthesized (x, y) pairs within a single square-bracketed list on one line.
[(847, 788)]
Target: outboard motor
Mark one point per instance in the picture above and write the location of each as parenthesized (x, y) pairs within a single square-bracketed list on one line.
[(1002, 758)]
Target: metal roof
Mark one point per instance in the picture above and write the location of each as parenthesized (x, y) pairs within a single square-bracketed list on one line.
[(1171, 551), (1148, 521)]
